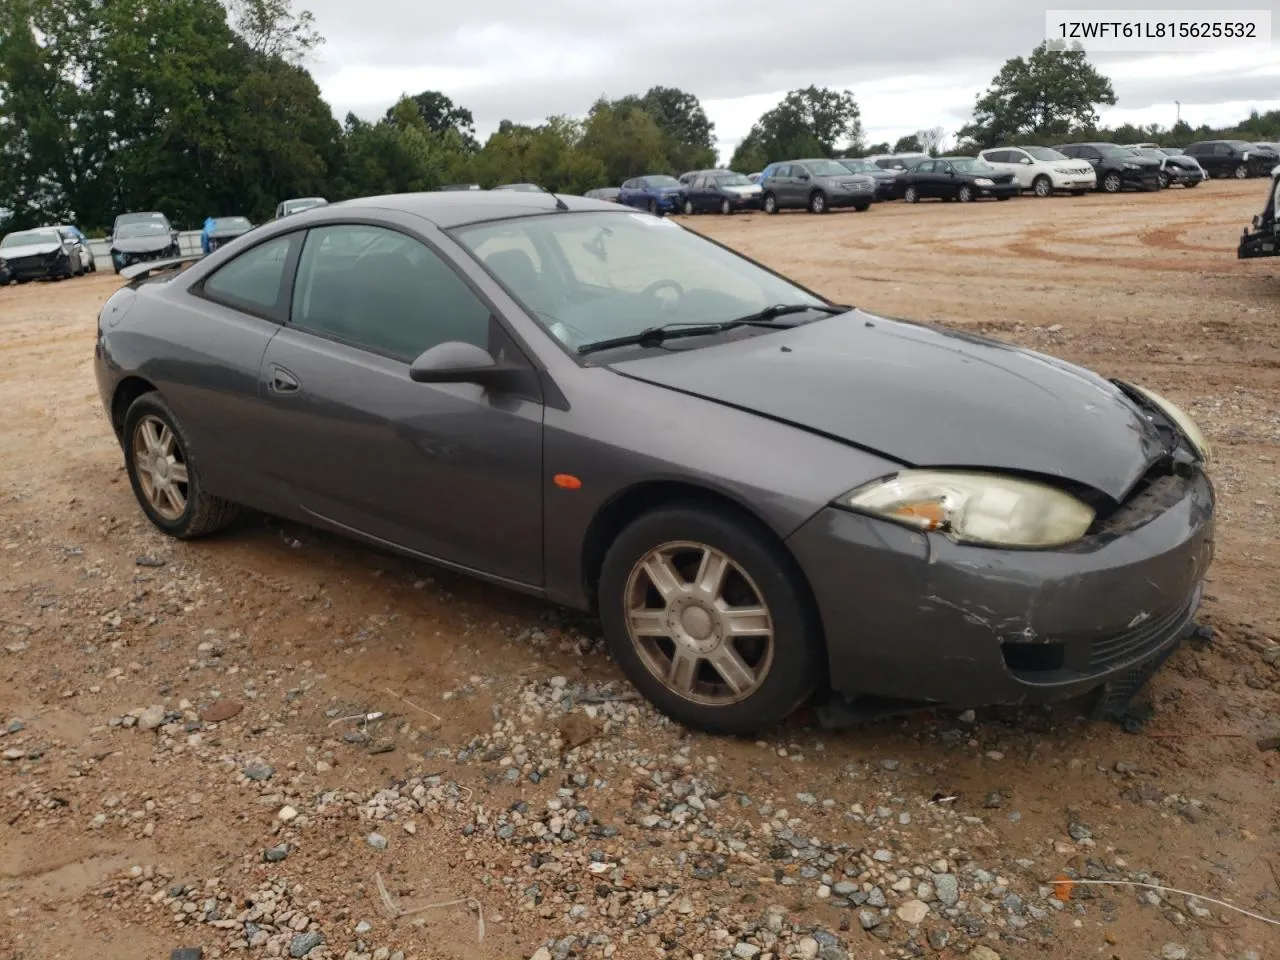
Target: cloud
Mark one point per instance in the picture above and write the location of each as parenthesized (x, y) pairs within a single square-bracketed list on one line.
[(910, 65)]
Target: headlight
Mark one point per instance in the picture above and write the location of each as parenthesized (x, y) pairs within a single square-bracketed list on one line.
[(1182, 420), (1062, 170), (977, 508), (1131, 166), (982, 181)]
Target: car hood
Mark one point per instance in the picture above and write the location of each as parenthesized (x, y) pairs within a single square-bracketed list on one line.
[(1141, 161), (925, 397), (143, 244), (29, 250)]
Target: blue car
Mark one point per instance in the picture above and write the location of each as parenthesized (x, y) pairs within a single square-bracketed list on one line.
[(657, 194)]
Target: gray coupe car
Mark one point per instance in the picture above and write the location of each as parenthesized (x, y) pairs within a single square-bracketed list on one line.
[(762, 493)]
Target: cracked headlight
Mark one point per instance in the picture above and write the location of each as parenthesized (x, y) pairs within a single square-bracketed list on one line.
[(1182, 420), (977, 508)]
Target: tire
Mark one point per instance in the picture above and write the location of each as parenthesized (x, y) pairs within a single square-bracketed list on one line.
[(1164, 180), (770, 203), (965, 194), (652, 206), (818, 202), (1112, 183), (911, 194), (687, 208), (1042, 186), (1003, 199), (792, 666), (202, 513), (726, 208), (861, 207), (1241, 172), (1191, 183)]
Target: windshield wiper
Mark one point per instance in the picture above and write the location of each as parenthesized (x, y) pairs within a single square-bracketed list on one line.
[(652, 336)]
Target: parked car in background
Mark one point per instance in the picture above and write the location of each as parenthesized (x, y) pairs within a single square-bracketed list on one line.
[(83, 253), (817, 185), (1042, 170), (897, 161), (150, 216), (686, 178), (957, 178), (287, 208), (141, 241), (1264, 239), (1268, 145), (1234, 158), (1175, 170), (889, 510), (521, 187), (225, 229), (657, 193), (886, 181), (1114, 166), (46, 253), (720, 191), (603, 193)]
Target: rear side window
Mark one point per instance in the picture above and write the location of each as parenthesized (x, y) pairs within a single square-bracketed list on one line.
[(253, 281), (384, 292)]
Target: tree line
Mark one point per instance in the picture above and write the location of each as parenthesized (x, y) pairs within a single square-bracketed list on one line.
[(206, 107)]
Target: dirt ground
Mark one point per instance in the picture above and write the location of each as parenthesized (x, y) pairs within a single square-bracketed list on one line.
[(124, 836)]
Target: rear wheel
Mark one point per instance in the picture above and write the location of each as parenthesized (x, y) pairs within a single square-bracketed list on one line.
[(164, 476), (911, 195), (1042, 186), (1112, 183), (770, 203), (709, 619), (726, 208)]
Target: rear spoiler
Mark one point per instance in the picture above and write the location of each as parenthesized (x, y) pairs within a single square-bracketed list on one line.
[(140, 271)]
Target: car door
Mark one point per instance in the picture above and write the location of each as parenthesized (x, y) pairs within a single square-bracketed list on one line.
[(1020, 164), (448, 470), (777, 184), (920, 177), (798, 185), (699, 193)]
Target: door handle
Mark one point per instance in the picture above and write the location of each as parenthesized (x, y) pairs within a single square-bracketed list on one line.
[(282, 381)]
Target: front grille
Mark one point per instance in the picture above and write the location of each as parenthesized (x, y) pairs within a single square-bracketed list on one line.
[(1135, 643)]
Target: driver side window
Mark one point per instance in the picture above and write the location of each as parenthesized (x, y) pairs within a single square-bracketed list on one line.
[(384, 292)]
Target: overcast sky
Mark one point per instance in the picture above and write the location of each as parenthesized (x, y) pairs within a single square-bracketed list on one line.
[(910, 65)]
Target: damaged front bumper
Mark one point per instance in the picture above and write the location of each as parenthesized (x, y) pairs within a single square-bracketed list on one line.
[(915, 618)]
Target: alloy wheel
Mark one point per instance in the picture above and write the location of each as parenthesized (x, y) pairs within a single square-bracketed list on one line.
[(1241, 172), (161, 467), (725, 208), (966, 194), (1111, 183), (1043, 187), (911, 196), (699, 623)]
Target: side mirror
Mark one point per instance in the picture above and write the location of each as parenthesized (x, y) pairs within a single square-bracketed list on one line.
[(804, 176), (456, 362), (1026, 160)]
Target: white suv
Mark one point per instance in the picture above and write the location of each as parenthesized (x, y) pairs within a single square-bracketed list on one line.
[(1043, 171)]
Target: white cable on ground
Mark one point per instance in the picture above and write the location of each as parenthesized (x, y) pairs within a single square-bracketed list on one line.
[(1155, 886)]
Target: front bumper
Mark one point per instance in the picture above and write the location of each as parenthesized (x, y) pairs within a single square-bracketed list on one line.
[(1075, 181), (886, 189), (1000, 190), (751, 201), (850, 198), (1141, 179), (36, 268), (1261, 243), (122, 260), (1183, 175), (918, 618)]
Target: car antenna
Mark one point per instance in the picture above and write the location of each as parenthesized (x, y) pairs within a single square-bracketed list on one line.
[(560, 204)]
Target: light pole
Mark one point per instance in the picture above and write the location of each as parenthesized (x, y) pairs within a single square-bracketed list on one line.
[(1178, 118)]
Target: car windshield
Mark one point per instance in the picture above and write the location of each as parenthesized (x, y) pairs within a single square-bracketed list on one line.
[(231, 223), (1044, 153), (733, 180), (139, 218), (826, 168), (590, 277), (971, 165), (30, 237), (146, 229), (1148, 152), (860, 166), (661, 182), (1114, 151)]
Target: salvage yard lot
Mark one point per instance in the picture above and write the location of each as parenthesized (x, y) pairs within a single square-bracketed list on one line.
[(185, 761)]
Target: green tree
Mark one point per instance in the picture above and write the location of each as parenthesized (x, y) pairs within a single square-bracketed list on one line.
[(749, 156), (441, 115), (690, 136), (909, 144), (626, 140), (806, 123), (401, 153), (549, 155), (1044, 96)]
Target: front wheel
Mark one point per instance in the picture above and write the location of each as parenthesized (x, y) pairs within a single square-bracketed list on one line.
[(1241, 171), (1112, 183), (965, 194), (818, 202), (1042, 186), (163, 475), (770, 203), (710, 620)]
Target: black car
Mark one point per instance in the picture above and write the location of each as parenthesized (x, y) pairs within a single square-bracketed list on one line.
[(720, 191), (1117, 167), (1264, 240), (1175, 169), (226, 229), (46, 253), (1234, 158), (886, 179), (143, 240), (957, 178)]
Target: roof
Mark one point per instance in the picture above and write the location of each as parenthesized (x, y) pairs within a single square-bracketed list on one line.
[(455, 208)]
